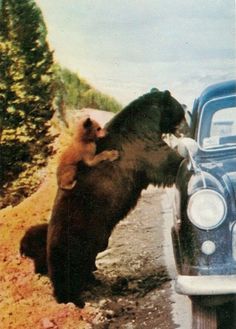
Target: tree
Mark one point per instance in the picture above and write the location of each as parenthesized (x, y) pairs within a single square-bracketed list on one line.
[(26, 85)]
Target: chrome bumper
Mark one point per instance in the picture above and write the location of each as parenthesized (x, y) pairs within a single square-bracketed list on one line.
[(205, 285)]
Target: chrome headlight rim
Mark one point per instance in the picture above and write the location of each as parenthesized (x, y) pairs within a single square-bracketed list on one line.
[(211, 192)]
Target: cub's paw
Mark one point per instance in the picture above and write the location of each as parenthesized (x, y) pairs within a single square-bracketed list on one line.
[(113, 155), (67, 185)]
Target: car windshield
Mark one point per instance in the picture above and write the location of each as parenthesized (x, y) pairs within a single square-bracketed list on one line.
[(218, 126)]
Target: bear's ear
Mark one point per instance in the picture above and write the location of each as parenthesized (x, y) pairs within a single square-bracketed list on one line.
[(167, 93), (154, 90), (166, 96), (87, 123)]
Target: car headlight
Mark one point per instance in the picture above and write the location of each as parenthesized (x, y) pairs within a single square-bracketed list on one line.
[(206, 209)]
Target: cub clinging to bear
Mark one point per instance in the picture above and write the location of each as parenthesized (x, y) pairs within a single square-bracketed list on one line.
[(82, 148)]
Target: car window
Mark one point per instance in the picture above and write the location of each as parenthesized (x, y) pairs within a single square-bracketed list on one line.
[(222, 129), (217, 125)]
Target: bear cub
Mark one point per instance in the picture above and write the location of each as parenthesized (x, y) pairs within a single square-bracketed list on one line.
[(33, 245), (82, 148)]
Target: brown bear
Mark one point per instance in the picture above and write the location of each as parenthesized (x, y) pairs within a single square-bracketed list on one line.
[(82, 148), (83, 218)]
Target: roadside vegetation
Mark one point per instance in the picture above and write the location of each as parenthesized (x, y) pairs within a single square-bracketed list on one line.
[(34, 90)]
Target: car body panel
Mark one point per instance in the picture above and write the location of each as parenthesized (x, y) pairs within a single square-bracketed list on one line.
[(213, 168)]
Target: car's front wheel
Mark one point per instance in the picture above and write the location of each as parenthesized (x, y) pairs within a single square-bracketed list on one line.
[(213, 312), (203, 317)]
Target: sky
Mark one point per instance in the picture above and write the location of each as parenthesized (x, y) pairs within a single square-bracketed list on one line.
[(126, 47)]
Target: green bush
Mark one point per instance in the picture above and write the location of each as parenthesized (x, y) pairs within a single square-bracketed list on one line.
[(74, 92)]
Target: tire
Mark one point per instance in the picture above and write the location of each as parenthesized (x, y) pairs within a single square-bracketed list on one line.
[(226, 315), (203, 317), (176, 250)]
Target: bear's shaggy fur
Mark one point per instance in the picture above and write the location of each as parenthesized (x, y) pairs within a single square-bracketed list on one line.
[(83, 218)]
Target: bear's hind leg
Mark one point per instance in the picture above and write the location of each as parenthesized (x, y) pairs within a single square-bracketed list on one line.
[(67, 275)]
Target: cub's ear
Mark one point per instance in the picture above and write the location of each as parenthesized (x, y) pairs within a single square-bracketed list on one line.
[(87, 123)]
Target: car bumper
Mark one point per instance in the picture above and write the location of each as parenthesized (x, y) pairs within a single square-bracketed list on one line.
[(205, 285)]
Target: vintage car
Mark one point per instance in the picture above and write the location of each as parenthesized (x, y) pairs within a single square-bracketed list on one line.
[(204, 230)]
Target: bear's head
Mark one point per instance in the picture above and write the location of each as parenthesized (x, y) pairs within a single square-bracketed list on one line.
[(172, 113)]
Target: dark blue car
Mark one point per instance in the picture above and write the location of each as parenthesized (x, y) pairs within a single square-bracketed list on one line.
[(204, 231)]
